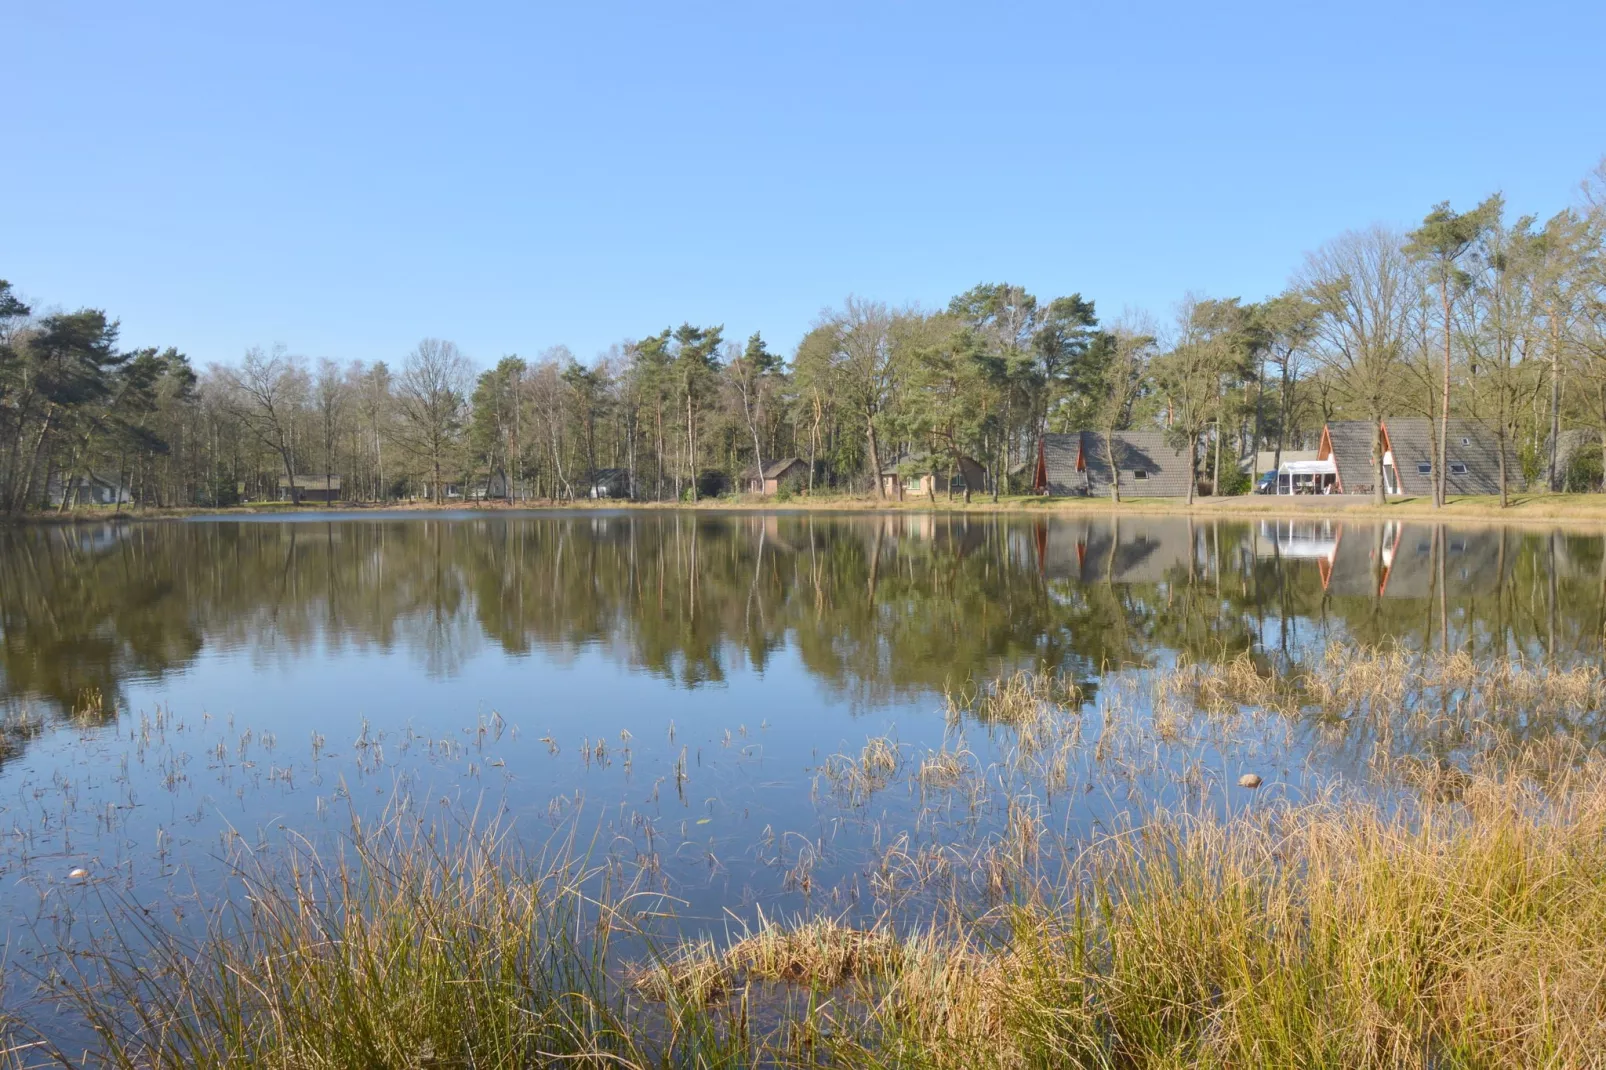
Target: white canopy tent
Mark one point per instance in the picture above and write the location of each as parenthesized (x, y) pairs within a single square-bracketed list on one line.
[(1307, 476)]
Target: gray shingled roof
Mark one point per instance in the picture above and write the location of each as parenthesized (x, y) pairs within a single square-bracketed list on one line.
[(1059, 464), (1352, 454), (1164, 467), (1470, 444), (776, 469)]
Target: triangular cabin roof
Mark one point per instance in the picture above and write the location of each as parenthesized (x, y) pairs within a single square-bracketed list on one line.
[(776, 469), (1146, 464), (312, 482), (1473, 453), (1348, 444)]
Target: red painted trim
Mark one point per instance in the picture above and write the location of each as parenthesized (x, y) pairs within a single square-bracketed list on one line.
[(1325, 568), (1394, 555), (1324, 452)]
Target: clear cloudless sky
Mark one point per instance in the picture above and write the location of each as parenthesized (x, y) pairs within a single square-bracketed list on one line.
[(346, 178)]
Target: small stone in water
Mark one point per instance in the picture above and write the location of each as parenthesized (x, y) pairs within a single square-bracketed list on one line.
[(78, 873), (1249, 780)]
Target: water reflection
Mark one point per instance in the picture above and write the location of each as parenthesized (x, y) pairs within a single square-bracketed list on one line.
[(875, 607)]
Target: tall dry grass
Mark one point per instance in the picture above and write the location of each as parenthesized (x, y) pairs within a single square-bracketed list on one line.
[(1471, 935), (1460, 929), (417, 945)]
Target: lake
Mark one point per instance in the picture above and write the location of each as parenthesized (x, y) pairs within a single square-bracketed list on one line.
[(689, 694)]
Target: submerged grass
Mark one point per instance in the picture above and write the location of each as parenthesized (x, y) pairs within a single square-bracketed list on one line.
[(1458, 929)]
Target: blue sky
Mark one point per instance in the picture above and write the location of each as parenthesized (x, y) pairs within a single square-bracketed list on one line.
[(348, 178)]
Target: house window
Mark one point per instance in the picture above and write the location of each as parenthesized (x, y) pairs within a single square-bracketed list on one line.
[(1458, 468), (1466, 441), (1139, 473), (1425, 468)]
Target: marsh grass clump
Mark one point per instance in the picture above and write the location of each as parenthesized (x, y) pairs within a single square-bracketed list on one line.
[(18, 725), (1021, 700), (879, 758), (410, 947), (945, 768), (694, 974), (821, 953), (856, 779)]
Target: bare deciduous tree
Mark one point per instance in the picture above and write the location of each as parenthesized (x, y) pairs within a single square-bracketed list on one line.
[(269, 392), (431, 398), (1364, 291), (330, 395)]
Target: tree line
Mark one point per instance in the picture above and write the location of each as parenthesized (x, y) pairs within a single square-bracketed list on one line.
[(1472, 314)]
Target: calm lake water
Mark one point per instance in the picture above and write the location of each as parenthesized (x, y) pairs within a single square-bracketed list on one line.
[(673, 685)]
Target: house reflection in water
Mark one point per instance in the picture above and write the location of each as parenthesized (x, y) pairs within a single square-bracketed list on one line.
[(1394, 559), (1301, 540), (1153, 550)]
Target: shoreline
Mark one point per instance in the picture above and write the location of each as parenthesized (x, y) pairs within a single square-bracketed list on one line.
[(1581, 509)]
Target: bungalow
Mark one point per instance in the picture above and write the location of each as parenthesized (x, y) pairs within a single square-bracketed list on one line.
[(787, 469), (310, 489), (87, 488), (1078, 463), (608, 483), (933, 475), (1408, 457)]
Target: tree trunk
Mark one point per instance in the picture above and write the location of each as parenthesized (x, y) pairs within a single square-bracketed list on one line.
[(814, 439), (752, 426), (1215, 477), (691, 445), (1378, 496), (20, 501), (117, 490), (1286, 413), (69, 481), (875, 456), (1441, 465), (290, 474), (1552, 477), (1115, 474), (1193, 466), (1500, 442)]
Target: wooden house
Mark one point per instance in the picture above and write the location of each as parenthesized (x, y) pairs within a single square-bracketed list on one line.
[(1078, 463)]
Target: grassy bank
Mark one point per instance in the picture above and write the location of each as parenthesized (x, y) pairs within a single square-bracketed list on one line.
[(1587, 509), (1462, 927), (1318, 935)]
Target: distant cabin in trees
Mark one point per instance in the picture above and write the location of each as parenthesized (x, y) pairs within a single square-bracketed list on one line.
[(1078, 463), (87, 488), (924, 475), (321, 489), (608, 483), (1408, 457), (775, 473)]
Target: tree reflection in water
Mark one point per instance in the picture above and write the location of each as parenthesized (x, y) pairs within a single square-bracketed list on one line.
[(875, 607)]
